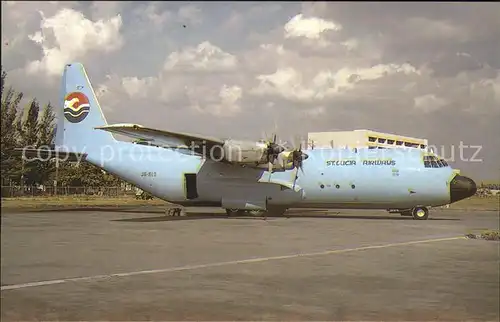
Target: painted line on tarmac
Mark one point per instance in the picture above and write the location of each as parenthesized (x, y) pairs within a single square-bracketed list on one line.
[(210, 265)]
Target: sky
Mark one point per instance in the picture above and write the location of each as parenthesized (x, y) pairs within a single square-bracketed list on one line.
[(245, 69)]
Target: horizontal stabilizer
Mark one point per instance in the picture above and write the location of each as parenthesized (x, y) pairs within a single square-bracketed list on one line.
[(48, 154)]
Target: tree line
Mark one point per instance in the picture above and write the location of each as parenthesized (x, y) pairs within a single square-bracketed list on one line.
[(33, 126)]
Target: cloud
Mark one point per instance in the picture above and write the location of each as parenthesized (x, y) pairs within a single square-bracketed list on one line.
[(418, 69), (311, 28), (137, 88), (153, 14), (105, 9), (204, 57), (429, 102), (190, 15), (68, 35), (350, 44), (484, 96), (429, 29), (290, 84), (223, 104), (314, 112)]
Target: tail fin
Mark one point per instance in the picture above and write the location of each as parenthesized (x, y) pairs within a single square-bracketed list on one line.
[(79, 113)]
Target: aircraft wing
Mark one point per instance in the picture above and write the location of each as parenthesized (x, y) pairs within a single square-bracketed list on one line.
[(161, 137)]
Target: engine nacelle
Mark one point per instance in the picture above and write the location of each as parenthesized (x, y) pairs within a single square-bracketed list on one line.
[(244, 152), (276, 166), (281, 163)]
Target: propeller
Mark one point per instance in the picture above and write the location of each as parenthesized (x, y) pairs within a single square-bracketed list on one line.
[(273, 149), (297, 158)]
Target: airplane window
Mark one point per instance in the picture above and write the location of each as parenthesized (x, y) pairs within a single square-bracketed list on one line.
[(434, 162)]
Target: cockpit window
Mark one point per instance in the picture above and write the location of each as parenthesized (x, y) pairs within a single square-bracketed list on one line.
[(431, 161)]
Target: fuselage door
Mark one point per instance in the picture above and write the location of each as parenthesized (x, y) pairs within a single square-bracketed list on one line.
[(190, 184)]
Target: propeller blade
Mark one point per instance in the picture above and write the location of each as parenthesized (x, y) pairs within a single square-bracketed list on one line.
[(295, 179), (297, 142)]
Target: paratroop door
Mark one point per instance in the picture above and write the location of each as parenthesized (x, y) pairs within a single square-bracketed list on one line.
[(190, 184)]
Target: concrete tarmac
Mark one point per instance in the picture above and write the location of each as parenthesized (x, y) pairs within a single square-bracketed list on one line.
[(137, 264)]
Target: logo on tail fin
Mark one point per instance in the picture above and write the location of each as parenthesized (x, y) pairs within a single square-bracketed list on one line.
[(76, 107)]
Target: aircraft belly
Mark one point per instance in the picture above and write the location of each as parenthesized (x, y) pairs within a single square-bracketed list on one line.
[(232, 191)]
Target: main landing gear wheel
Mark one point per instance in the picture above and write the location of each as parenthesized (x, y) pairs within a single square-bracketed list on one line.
[(235, 212), (420, 213), (268, 213), (256, 213)]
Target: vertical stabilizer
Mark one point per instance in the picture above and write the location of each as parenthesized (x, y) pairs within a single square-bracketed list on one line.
[(79, 113)]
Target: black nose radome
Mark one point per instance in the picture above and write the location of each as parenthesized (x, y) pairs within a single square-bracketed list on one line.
[(462, 187)]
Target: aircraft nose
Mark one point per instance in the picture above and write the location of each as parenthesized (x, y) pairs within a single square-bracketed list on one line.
[(462, 187)]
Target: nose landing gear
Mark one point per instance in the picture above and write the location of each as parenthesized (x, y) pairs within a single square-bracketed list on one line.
[(420, 213)]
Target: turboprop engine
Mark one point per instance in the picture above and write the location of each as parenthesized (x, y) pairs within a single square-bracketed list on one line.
[(263, 155), (259, 155), (251, 152)]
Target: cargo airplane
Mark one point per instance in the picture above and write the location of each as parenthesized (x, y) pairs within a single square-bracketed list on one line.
[(264, 178)]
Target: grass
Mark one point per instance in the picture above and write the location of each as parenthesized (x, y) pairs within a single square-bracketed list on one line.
[(476, 203), (473, 203), (76, 202), (486, 235)]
